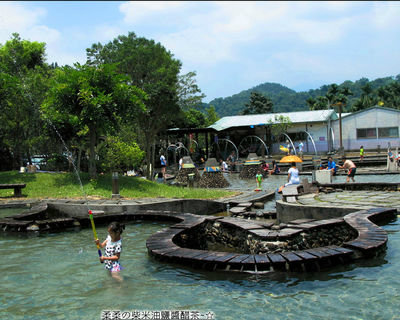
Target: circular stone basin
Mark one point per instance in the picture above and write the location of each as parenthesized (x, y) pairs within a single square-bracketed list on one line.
[(359, 237)]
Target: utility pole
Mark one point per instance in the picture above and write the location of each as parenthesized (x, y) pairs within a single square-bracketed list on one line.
[(339, 104)]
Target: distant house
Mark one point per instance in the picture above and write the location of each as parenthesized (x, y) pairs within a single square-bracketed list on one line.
[(372, 127)]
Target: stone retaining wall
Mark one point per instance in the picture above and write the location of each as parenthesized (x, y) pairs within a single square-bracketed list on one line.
[(366, 240)]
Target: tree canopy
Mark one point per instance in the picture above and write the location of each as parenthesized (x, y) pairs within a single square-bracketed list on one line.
[(91, 101), (23, 80), (151, 68), (258, 104)]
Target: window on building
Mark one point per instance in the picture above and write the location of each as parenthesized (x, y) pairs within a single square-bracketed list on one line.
[(390, 132), (366, 133)]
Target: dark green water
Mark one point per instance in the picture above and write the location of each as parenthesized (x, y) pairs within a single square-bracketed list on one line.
[(58, 276)]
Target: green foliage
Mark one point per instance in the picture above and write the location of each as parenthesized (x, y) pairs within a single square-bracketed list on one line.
[(189, 94), (153, 69), (258, 104), (389, 94), (335, 96), (194, 119), (211, 115), (90, 101), (56, 162), (121, 156), (18, 56), (23, 81), (66, 185), (287, 100), (283, 99), (280, 125)]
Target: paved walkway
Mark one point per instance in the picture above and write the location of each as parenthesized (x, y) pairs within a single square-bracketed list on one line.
[(357, 199)]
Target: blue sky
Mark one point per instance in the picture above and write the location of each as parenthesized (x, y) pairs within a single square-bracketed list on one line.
[(232, 46)]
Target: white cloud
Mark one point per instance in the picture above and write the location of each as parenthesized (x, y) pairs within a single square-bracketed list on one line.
[(219, 32), (14, 17), (106, 33), (135, 11), (385, 15)]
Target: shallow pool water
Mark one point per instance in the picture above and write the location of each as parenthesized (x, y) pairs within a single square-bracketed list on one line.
[(5, 212), (58, 276)]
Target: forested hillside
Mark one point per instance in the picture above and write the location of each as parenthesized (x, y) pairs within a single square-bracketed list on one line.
[(287, 100)]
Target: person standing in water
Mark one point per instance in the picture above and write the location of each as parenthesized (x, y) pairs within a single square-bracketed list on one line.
[(348, 164), (259, 179), (301, 146), (112, 253)]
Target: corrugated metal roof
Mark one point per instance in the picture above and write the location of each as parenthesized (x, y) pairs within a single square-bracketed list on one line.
[(263, 119), (368, 109)]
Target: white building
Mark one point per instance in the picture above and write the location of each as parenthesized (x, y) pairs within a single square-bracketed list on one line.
[(372, 127), (311, 127)]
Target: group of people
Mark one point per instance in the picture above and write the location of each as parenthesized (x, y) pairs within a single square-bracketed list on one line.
[(347, 165), (230, 163), (300, 148)]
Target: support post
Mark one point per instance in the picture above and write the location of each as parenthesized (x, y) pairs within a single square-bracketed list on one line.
[(115, 186)]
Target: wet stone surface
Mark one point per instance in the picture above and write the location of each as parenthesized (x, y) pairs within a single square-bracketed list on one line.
[(359, 199), (218, 235)]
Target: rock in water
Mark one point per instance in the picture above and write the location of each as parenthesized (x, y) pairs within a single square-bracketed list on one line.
[(213, 180), (250, 171), (183, 175)]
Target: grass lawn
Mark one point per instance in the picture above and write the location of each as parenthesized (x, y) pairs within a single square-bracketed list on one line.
[(66, 185)]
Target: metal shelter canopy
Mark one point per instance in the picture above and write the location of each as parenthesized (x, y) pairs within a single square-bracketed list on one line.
[(267, 118), (190, 130)]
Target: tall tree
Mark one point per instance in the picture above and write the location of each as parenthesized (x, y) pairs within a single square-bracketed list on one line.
[(189, 93), (23, 82), (258, 104), (91, 101), (367, 98), (335, 95), (211, 115), (389, 94), (151, 68)]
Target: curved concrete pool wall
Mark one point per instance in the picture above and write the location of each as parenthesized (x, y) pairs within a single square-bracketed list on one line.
[(64, 213), (370, 241), (286, 212), (79, 208)]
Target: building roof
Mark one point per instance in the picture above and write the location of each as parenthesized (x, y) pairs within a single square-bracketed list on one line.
[(368, 109), (268, 118)]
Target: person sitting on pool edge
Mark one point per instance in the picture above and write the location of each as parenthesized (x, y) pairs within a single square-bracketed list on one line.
[(275, 168), (331, 166), (293, 175), (348, 164)]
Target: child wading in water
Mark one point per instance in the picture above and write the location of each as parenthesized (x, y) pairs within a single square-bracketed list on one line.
[(259, 179), (112, 253)]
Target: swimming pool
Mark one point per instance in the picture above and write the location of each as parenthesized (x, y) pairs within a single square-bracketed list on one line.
[(58, 276)]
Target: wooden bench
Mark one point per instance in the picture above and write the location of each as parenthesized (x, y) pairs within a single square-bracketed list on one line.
[(16, 186)]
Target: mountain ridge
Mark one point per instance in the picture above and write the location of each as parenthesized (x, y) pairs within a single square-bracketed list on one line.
[(288, 100)]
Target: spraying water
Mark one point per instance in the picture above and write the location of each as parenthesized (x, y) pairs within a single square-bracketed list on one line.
[(64, 144), (70, 158)]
